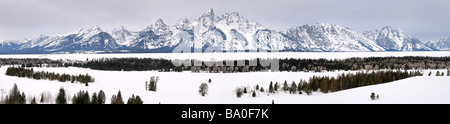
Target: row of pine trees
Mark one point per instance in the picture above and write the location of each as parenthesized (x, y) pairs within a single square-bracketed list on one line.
[(82, 97), (326, 84), (29, 73)]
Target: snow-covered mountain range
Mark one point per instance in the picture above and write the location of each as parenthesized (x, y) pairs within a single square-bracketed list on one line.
[(229, 31), (440, 44)]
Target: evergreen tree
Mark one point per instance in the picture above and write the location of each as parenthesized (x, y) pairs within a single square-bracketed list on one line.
[(134, 100), (86, 98), (61, 98), (82, 97), (299, 87), (285, 86), (261, 89), (273, 102), (245, 89), (119, 99), (131, 99), (429, 74), (253, 94), (448, 72), (276, 86), (33, 101), (372, 96), (438, 73), (293, 88), (153, 83), (308, 89), (257, 87), (442, 73), (113, 99), (209, 81), (22, 98), (239, 92), (101, 97), (42, 98), (94, 98), (203, 89), (271, 90), (146, 85), (138, 100), (324, 87)]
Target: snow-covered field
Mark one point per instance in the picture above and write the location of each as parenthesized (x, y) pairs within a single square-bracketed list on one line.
[(228, 56), (182, 88)]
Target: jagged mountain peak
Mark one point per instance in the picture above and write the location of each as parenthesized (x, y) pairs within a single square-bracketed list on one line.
[(234, 17), (95, 28), (331, 37), (119, 28), (209, 13), (208, 19), (231, 15), (122, 36), (160, 28), (160, 23), (389, 31), (183, 24), (394, 39)]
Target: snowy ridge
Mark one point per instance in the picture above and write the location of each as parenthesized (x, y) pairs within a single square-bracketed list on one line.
[(394, 39), (229, 31), (440, 44), (329, 37), (122, 36)]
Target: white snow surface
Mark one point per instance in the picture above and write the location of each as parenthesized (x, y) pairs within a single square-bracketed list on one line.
[(182, 88)]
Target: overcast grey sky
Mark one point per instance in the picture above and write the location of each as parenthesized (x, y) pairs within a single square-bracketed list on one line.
[(424, 19)]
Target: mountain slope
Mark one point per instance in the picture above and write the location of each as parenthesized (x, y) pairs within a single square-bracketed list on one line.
[(328, 37), (93, 39), (122, 36), (440, 44), (394, 39), (8, 46)]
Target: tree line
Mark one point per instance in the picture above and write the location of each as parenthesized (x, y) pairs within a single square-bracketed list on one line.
[(30, 62), (294, 65), (29, 73), (82, 97), (326, 84), (126, 64)]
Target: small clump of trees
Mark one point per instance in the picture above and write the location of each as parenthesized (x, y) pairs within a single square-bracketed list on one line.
[(135, 100), (203, 89), (239, 92), (15, 97), (153, 83), (82, 97), (117, 99), (374, 96)]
